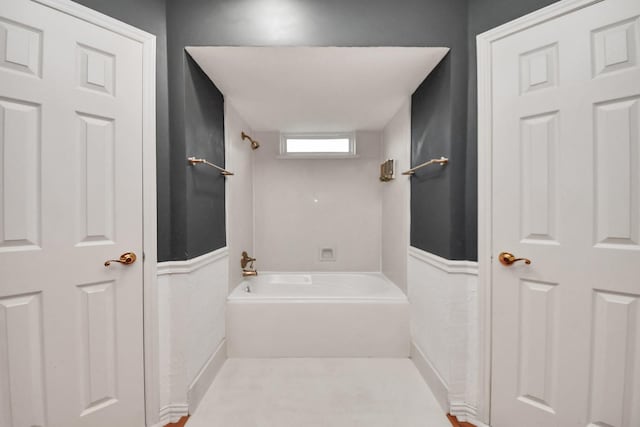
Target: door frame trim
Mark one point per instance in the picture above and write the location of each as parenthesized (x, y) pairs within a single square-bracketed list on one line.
[(149, 212), (484, 43)]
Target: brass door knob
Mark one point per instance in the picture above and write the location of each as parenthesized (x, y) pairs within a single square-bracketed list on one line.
[(126, 258), (507, 259)]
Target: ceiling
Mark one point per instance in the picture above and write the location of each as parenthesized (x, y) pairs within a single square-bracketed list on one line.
[(317, 89)]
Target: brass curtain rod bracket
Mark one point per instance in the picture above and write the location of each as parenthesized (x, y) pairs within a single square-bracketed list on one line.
[(195, 161), (254, 144), (387, 171), (442, 161)]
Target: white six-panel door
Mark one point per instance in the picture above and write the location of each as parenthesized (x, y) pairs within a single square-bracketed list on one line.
[(566, 194), (71, 342)]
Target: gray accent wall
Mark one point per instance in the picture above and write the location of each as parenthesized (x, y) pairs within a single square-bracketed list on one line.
[(337, 23), (431, 197), (190, 200), (444, 213), (191, 214), (483, 16), (150, 16), (205, 186)]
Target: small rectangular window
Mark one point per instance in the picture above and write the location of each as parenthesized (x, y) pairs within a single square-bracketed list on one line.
[(317, 145)]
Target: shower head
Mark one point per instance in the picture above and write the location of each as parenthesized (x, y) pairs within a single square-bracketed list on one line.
[(254, 144)]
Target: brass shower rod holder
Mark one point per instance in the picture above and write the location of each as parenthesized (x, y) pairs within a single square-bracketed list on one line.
[(195, 161), (442, 161)]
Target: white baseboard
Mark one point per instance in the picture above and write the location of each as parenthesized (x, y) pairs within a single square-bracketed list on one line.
[(205, 377), (462, 410), (433, 379), (466, 413), (172, 413)]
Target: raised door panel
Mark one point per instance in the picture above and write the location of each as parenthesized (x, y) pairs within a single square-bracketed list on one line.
[(539, 139), (22, 395), (20, 148), (20, 48), (615, 47), (96, 180), (617, 176), (537, 351), (96, 70), (539, 69), (615, 360), (98, 367)]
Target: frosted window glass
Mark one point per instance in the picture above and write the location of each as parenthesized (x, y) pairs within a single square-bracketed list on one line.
[(335, 145)]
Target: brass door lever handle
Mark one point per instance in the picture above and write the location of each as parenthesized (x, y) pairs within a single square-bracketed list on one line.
[(126, 258), (507, 259)]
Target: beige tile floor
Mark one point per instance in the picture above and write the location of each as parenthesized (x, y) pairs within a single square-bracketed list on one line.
[(318, 392)]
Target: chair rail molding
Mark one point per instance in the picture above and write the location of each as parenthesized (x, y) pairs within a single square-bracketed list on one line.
[(191, 265), (446, 265)]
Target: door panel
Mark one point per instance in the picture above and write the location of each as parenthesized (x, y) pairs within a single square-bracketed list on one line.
[(539, 139), (566, 189), (20, 147), (538, 348), (615, 340), (71, 198), (617, 214), (22, 394), (96, 179)]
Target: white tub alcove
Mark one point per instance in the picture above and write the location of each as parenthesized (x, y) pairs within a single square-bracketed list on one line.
[(318, 315)]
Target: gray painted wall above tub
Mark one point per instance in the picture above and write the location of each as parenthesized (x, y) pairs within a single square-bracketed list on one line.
[(150, 16), (329, 23), (483, 15), (205, 186), (448, 228)]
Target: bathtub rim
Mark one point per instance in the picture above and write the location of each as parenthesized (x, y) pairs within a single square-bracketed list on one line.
[(401, 298)]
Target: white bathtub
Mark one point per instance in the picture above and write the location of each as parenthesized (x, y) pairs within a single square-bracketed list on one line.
[(317, 315)]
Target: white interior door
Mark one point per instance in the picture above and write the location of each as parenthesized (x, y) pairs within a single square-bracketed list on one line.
[(566, 194), (71, 341)]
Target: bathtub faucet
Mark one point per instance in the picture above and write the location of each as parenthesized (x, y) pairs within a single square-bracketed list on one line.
[(246, 259)]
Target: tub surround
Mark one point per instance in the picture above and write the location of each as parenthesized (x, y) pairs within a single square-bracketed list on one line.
[(239, 192), (305, 205), (396, 194), (318, 315)]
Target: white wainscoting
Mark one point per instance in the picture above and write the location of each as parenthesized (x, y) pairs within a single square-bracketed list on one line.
[(444, 329), (192, 296)]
